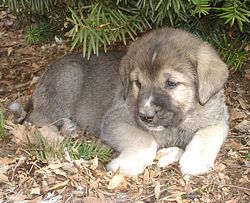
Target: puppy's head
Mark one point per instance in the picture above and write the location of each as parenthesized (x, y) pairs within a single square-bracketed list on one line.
[(169, 73)]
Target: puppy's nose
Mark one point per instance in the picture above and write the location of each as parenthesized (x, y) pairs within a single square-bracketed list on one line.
[(147, 117)]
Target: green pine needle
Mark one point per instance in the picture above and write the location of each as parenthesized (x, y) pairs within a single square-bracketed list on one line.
[(36, 34), (89, 150), (94, 25), (3, 134), (45, 150)]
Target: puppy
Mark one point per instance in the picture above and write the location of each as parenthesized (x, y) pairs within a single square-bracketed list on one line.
[(166, 91), (171, 96)]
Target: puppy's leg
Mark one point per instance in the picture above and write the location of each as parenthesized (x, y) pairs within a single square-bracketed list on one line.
[(137, 149), (167, 156), (201, 152), (39, 118)]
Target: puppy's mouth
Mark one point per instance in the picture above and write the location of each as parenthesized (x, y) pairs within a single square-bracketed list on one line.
[(158, 124), (152, 125), (155, 128)]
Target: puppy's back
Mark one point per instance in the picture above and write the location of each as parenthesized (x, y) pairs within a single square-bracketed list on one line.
[(76, 88)]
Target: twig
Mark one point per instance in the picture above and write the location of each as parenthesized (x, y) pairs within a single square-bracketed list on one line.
[(235, 186)]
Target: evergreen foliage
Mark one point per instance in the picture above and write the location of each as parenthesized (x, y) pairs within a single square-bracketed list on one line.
[(45, 150), (89, 150), (96, 24), (3, 134)]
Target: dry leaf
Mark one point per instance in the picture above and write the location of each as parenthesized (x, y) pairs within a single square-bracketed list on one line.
[(157, 190), (54, 166), (94, 163), (35, 66), (95, 183), (92, 200), (242, 103), (69, 167), (51, 134), (220, 167), (235, 200), (235, 115), (35, 191), (102, 197), (3, 178), (146, 176), (19, 133), (188, 188), (235, 145), (60, 172), (243, 126), (22, 133), (58, 185), (10, 50), (17, 197), (34, 80), (118, 181), (6, 161)]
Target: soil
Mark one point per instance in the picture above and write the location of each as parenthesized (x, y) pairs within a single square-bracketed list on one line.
[(25, 178)]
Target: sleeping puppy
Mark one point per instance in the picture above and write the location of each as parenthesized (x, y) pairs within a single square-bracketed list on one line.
[(169, 94)]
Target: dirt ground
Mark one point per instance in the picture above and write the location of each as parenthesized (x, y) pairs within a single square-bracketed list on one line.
[(23, 178)]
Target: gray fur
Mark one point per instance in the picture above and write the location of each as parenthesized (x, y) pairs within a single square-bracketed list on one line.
[(76, 88), (86, 90)]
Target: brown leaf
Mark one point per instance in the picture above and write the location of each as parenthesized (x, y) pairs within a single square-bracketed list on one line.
[(60, 172), (101, 197), (92, 200), (3, 178), (17, 197), (95, 183), (220, 167), (118, 181), (157, 190), (35, 66), (242, 103), (94, 163), (235, 145), (51, 134), (6, 161), (22, 133), (35, 191), (243, 126), (235, 200), (10, 50), (54, 166), (235, 115), (146, 177), (58, 185), (247, 48), (69, 167), (188, 188)]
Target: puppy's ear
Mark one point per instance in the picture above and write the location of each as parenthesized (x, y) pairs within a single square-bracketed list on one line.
[(125, 69), (212, 73)]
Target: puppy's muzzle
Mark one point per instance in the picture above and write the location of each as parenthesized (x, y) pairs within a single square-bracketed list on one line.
[(153, 114), (147, 111), (147, 117)]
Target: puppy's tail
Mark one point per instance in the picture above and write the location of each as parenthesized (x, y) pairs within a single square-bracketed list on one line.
[(21, 112)]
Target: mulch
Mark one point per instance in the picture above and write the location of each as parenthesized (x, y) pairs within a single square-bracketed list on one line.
[(24, 178)]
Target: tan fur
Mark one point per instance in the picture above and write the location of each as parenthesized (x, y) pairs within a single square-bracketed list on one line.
[(169, 94), (163, 55)]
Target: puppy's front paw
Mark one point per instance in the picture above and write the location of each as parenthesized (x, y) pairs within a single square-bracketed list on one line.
[(133, 162), (127, 166), (195, 163), (167, 156)]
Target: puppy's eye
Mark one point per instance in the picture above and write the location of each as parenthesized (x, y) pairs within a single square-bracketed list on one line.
[(137, 83), (171, 84)]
